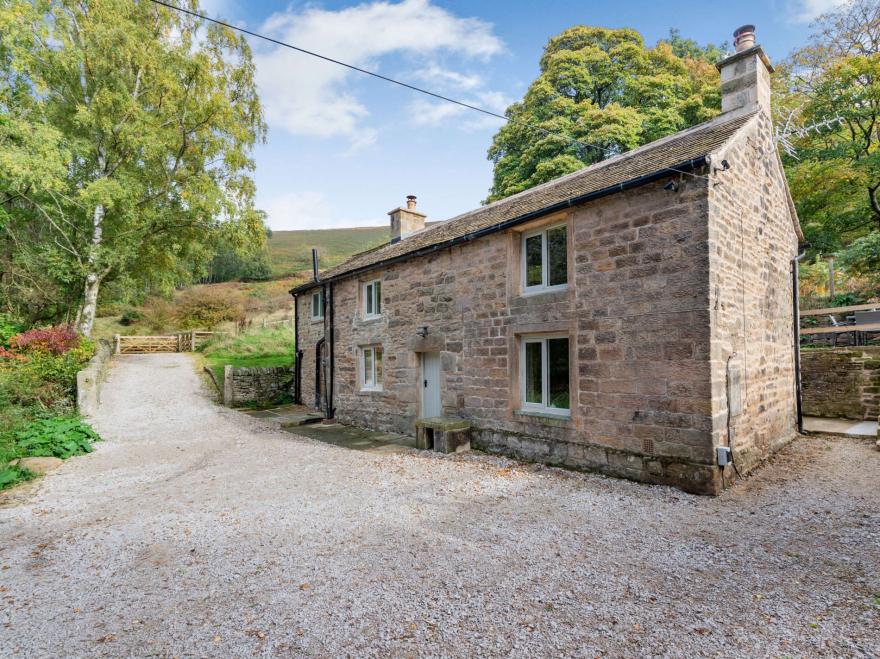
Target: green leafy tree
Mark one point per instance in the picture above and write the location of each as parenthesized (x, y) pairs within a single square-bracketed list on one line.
[(688, 48), (834, 172), (142, 121), (862, 257), (604, 88)]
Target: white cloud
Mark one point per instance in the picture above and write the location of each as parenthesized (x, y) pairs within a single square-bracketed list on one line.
[(437, 75), (310, 210), (804, 11), (306, 96), (425, 112)]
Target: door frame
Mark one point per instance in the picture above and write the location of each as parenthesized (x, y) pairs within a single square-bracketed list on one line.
[(422, 398)]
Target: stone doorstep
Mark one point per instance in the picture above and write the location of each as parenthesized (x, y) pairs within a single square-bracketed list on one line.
[(847, 427), (294, 421), (443, 423), (447, 434)]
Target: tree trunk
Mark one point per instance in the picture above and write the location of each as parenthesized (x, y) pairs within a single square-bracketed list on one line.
[(93, 278)]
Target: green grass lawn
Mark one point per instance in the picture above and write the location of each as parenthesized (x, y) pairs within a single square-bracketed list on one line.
[(259, 347)]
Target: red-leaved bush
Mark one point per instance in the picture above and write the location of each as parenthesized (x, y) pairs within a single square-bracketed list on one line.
[(6, 354), (53, 340)]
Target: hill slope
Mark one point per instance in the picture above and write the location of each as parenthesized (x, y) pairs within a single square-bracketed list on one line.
[(290, 252)]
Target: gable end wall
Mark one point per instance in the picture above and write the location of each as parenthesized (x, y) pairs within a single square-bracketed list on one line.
[(752, 240)]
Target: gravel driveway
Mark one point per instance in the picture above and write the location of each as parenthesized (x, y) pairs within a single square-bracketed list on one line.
[(198, 531)]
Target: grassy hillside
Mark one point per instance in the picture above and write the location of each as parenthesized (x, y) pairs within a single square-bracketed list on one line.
[(290, 252)]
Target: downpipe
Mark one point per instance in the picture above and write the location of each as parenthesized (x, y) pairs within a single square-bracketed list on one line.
[(796, 325)]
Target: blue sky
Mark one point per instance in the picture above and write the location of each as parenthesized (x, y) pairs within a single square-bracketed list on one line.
[(343, 148)]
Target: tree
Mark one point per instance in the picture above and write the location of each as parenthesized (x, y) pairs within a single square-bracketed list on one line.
[(152, 116), (602, 88), (835, 171)]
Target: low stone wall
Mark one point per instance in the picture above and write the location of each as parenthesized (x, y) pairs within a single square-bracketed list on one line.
[(242, 386), (90, 379), (841, 382), (694, 477)]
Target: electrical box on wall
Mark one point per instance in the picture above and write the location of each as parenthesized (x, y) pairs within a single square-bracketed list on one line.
[(723, 454)]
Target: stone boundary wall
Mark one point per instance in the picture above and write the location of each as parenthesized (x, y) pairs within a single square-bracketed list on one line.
[(841, 382), (243, 385), (90, 379)]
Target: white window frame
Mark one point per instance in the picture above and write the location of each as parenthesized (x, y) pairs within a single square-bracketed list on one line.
[(369, 381), (370, 292), (543, 407), (543, 287), (319, 294)]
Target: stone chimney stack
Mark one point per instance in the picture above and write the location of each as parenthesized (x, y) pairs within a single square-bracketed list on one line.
[(745, 75), (406, 221)]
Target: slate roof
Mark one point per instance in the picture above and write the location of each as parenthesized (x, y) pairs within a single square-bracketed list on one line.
[(675, 151)]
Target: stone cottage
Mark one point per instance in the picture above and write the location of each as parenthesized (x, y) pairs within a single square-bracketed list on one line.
[(631, 317)]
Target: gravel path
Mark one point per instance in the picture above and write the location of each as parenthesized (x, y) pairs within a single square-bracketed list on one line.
[(198, 531)]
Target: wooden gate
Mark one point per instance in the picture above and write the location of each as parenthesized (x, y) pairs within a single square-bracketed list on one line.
[(181, 342), (126, 345)]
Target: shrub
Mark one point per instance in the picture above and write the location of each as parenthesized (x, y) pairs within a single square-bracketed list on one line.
[(53, 340), (159, 314), (38, 376), (10, 475), (130, 316), (26, 386), (8, 329), (61, 437), (206, 308)]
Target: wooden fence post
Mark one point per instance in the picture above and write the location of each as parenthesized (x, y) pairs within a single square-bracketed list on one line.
[(116, 341)]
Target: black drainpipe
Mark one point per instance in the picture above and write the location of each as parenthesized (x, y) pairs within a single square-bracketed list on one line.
[(319, 366), (331, 410), (795, 295), (297, 355)]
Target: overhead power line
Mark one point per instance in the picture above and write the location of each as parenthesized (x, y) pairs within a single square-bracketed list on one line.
[(605, 152), (330, 59)]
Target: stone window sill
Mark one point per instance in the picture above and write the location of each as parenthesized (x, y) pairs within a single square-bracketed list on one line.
[(546, 290), (549, 418), (545, 295)]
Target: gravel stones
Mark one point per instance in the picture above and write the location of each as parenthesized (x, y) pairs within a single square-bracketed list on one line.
[(194, 530)]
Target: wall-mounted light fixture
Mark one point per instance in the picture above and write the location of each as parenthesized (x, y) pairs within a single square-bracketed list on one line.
[(671, 186), (422, 331)]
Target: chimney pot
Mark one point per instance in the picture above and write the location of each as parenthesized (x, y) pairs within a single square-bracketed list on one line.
[(744, 37), (410, 201)]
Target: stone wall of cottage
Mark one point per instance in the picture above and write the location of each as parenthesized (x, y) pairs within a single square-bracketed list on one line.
[(636, 314), (841, 382), (310, 333), (752, 242)]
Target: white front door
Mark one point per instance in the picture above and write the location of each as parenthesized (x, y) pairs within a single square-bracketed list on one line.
[(431, 385)]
